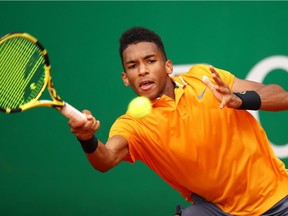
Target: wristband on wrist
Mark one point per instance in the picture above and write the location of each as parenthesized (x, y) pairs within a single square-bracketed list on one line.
[(250, 100), (89, 146)]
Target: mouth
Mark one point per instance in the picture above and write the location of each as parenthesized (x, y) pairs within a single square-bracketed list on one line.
[(146, 85)]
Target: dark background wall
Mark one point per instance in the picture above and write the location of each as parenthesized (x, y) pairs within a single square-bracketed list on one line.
[(43, 170)]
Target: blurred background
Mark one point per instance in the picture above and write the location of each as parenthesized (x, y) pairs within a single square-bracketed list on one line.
[(43, 170)]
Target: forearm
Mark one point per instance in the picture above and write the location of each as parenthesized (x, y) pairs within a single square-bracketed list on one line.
[(97, 154), (104, 157), (101, 159), (273, 98)]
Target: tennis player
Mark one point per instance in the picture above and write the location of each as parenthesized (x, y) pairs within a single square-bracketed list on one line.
[(199, 138)]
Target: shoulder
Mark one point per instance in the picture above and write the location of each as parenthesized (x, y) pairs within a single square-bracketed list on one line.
[(195, 73), (123, 125), (199, 70), (128, 127), (202, 69)]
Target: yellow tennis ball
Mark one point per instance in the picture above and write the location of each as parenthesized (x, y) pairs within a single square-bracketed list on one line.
[(139, 107)]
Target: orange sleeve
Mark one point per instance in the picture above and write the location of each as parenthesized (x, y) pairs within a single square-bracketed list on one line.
[(124, 128)]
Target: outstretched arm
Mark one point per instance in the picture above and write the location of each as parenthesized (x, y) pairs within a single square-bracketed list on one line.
[(102, 157), (273, 97)]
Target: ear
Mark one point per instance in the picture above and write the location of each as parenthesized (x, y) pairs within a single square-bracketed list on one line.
[(125, 79), (169, 67)]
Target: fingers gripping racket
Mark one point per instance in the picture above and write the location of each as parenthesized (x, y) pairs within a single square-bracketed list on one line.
[(25, 74)]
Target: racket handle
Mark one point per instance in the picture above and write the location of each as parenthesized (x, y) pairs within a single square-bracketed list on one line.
[(72, 113)]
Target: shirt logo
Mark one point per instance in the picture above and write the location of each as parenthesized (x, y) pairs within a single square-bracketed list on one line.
[(202, 94)]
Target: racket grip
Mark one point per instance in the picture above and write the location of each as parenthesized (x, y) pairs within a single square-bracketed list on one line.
[(72, 113)]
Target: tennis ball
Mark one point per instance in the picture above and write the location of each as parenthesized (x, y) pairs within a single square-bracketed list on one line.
[(139, 107)]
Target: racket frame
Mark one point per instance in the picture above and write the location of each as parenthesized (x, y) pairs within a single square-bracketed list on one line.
[(56, 101)]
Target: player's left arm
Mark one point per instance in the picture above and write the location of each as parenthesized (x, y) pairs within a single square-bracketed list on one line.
[(272, 97)]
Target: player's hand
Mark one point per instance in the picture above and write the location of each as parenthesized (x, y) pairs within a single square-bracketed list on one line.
[(222, 91), (84, 131)]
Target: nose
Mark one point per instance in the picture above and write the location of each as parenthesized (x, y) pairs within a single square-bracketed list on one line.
[(143, 69)]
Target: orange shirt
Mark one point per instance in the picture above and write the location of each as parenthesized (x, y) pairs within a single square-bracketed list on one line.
[(222, 155)]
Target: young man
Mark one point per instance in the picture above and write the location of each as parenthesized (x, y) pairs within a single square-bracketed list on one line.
[(199, 137)]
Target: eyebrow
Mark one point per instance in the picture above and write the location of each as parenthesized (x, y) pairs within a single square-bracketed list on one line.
[(146, 57)]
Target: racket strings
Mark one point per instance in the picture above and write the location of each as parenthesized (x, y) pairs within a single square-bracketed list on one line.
[(20, 62), (12, 62), (30, 70)]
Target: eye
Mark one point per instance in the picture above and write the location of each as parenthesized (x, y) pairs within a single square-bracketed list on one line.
[(131, 66), (151, 60)]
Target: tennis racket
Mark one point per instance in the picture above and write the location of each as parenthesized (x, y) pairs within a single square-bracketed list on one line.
[(25, 74)]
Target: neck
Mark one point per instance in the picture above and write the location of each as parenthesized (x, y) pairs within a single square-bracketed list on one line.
[(169, 89)]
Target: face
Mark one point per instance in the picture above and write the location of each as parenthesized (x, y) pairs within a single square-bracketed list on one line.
[(146, 70)]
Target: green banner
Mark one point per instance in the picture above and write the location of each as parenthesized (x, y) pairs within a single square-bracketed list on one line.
[(43, 169)]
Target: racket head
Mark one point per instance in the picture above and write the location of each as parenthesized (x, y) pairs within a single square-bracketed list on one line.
[(24, 74)]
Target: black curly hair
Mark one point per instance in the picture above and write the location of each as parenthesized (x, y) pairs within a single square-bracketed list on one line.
[(140, 34)]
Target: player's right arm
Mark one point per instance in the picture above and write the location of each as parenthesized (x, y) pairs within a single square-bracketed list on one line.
[(106, 156), (109, 155)]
